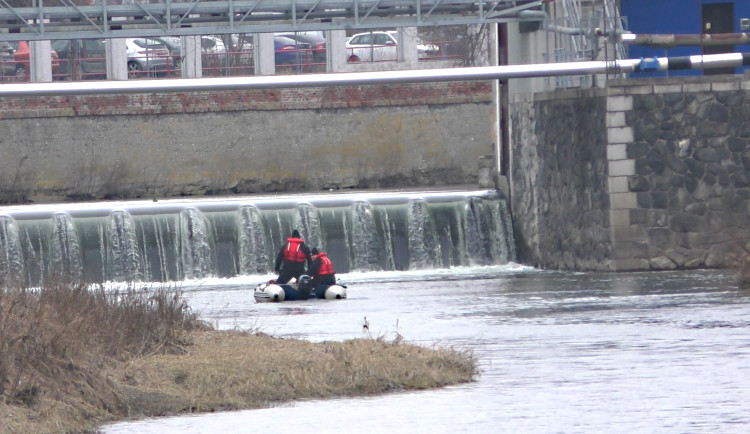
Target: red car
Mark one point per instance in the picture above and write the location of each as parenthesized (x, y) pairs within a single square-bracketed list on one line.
[(22, 61)]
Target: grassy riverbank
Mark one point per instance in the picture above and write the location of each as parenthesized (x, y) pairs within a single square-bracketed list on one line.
[(73, 359)]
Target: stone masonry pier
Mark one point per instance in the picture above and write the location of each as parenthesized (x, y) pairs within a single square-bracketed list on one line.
[(643, 175)]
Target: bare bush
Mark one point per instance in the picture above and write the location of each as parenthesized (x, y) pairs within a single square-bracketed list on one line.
[(74, 357), (62, 335), (469, 45)]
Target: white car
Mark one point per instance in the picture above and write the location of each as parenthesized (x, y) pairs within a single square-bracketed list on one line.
[(146, 56), (382, 46), (372, 47)]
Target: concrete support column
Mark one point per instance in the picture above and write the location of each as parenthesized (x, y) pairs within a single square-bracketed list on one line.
[(336, 53), (408, 52), (192, 62), (627, 239), (40, 61), (265, 61), (117, 59)]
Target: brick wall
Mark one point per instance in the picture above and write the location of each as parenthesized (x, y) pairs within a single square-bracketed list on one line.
[(242, 100)]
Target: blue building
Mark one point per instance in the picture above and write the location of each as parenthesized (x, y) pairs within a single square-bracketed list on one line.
[(686, 17)]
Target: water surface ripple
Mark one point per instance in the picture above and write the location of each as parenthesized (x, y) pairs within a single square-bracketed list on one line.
[(558, 352)]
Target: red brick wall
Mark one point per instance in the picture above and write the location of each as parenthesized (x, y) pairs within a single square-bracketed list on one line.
[(244, 100)]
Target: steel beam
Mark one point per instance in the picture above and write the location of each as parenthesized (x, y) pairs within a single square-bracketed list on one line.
[(171, 17)]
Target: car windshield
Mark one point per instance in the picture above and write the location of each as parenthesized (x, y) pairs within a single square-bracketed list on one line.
[(149, 44), (60, 45), (173, 40), (93, 45), (285, 40)]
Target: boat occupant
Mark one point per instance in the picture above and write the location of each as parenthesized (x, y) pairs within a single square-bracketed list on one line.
[(290, 262), (321, 269)]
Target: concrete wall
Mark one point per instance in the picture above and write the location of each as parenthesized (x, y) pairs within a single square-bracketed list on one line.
[(161, 145), (644, 175)]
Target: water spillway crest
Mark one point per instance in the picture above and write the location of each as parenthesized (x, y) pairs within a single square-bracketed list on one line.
[(177, 240)]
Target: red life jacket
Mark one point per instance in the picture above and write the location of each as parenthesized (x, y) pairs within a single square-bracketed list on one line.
[(326, 266), (293, 250)]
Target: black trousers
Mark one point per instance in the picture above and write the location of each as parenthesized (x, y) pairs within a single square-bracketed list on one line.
[(328, 279), (289, 270)]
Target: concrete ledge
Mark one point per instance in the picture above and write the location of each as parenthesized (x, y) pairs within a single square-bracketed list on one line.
[(562, 94), (629, 233), (622, 168), (619, 103), (696, 87), (617, 152), (620, 135), (726, 87), (619, 217), (640, 90), (668, 88), (616, 119), (623, 201), (630, 250), (617, 184)]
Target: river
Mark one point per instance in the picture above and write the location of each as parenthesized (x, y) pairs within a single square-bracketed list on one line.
[(558, 352)]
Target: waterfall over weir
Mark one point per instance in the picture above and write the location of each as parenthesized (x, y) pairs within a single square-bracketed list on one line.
[(173, 240)]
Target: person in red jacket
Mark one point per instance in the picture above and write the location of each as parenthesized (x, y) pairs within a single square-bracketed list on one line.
[(291, 260), (321, 270)]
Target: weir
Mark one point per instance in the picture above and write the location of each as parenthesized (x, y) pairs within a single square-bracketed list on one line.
[(174, 240)]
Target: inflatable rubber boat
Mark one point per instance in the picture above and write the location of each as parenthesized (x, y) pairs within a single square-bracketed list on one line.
[(302, 290)]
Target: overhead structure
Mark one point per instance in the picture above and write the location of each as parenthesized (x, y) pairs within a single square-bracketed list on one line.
[(201, 17)]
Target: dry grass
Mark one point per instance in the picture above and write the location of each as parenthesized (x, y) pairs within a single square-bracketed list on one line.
[(227, 370), (72, 358)]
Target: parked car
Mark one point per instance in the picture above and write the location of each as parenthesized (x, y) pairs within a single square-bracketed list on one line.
[(174, 46), (21, 57), (317, 43), (81, 58), (372, 47), (146, 56), (290, 52)]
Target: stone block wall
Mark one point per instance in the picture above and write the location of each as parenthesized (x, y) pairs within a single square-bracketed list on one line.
[(647, 174), (559, 178), (680, 171)]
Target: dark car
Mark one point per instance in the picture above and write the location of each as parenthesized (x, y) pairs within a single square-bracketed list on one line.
[(316, 42), (290, 52), (81, 59)]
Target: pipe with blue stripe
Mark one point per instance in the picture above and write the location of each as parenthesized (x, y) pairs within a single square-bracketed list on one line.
[(378, 77)]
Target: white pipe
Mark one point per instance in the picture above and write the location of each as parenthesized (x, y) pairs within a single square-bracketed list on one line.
[(622, 66), (319, 80)]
